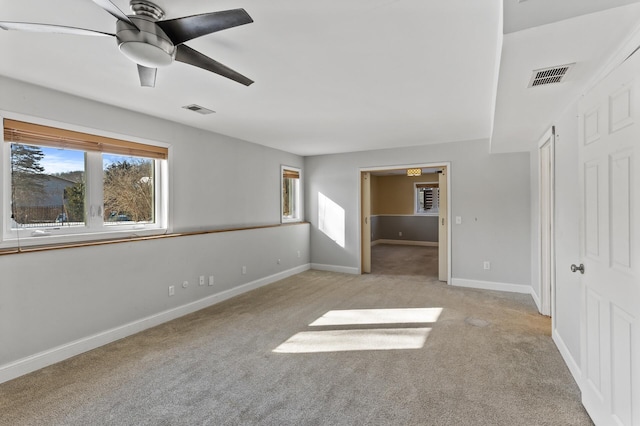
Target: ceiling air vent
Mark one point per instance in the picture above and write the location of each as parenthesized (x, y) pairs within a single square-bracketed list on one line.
[(549, 75), (198, 109)]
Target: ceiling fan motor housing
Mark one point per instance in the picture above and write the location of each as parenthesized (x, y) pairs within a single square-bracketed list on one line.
[(147, 44), (146, 8)]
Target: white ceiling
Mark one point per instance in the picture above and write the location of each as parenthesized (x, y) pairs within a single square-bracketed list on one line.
[(334, 76), (523, 14), (523, 114)]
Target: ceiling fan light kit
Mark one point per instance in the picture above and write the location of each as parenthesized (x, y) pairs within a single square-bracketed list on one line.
[(152, 43), (145, 43)]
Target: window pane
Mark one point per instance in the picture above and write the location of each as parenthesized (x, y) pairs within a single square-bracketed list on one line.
[(47, 187), (128, 189), (290, 194), (288, 201)]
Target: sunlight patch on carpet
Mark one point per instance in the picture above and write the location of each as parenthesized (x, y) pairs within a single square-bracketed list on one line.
[(355, 340), (378, 316)]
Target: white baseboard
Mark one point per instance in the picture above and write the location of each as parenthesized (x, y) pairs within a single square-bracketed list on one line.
[(43, 359), (335, 268), (491, 285), (536, 300), (573, 366), (405, 243)]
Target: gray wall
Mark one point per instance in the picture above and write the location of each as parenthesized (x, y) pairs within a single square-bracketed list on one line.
[(413, 228), (534, 227), (490, 192), (51, 299), (58, 297)]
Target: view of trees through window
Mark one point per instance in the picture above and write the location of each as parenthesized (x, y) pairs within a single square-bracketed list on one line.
[(41, 195), (128, 189), (48, 187), (28, 178)]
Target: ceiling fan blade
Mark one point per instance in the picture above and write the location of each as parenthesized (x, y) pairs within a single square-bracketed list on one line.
[(187, 28), (47, 28), (192, 57), (147, 76), (114, 10)]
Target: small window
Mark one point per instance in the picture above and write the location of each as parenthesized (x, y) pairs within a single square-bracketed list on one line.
[(290, 194), (427, 198), (64, 182)]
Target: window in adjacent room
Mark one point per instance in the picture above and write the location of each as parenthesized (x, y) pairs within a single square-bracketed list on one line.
[(290, 205), (427, 198), (64, 183)]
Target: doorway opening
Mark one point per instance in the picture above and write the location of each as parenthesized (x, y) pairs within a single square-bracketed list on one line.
[(405, 227)]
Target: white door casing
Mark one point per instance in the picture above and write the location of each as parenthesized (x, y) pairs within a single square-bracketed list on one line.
[(609, 161), (365, 202), (443, 227), (546, 223)]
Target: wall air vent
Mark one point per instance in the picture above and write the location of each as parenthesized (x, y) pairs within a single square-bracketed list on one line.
[(551, 75), (198, 109)]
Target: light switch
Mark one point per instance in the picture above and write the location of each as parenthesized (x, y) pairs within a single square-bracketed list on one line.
[(458, 220)]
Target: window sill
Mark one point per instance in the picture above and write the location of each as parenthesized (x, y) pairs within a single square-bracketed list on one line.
[(285, 221), (122, 239), (405, 215)]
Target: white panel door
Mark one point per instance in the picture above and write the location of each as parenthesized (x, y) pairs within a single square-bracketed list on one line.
[(610, 237)]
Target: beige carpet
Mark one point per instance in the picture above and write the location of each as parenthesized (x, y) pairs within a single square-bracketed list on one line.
[(487, 359), (400, 260)]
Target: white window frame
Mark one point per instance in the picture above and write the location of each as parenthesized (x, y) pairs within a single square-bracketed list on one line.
[(297, 217), (416, 201), (95, 228)]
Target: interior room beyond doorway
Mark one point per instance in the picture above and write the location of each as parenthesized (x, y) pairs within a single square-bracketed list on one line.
[(405, 214)]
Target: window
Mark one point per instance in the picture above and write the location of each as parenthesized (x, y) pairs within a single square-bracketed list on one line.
[(427, 198), (290, 194), (63, 183)]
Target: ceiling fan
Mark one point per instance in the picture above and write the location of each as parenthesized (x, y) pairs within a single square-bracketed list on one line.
[(151, 42)]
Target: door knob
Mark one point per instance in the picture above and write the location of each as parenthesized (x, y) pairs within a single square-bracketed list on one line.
[(575, 268)]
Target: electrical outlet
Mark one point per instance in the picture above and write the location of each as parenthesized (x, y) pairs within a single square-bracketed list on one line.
[(201, 279), (298, 254), (244, 270), (400, 234), (487, 265), (278, 261), (210, 279), (185, 284), (172, 290)]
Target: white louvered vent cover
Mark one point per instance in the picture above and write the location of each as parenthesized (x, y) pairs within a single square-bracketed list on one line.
[(198, 109), (551, 75)]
